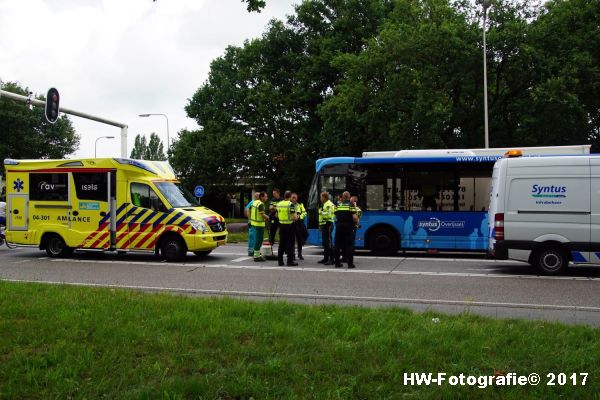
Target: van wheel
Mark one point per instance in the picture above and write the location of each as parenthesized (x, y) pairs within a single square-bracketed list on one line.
[(383, 242), (56, 247), (202, 253), (550, 260), (173, 248)]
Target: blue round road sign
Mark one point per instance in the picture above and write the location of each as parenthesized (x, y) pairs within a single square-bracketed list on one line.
[(199, 191)]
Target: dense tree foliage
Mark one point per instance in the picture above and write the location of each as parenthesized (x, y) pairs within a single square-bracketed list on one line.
[(152, 149), (25, 133), (340, 77)]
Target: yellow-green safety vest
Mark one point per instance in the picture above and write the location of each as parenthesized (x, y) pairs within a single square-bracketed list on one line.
[(301, 211), (285, 209), (256, 218), (326, 212)]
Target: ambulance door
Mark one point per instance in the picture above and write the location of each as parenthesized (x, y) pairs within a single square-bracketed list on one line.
[(17, 215), (145, 217), (90, 218)]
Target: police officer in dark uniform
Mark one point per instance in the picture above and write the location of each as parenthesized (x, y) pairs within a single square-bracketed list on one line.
[(345, 222), (286, 211)]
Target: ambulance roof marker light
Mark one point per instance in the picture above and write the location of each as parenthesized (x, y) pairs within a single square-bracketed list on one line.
[(513, 154)]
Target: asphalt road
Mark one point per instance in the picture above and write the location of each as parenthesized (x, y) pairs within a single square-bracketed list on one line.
[(450, 283)]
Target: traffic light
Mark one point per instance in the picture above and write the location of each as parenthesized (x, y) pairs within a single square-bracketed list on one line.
[(52, 99)]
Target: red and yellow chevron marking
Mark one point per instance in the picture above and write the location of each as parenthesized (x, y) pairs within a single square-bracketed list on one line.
[(141, 232)]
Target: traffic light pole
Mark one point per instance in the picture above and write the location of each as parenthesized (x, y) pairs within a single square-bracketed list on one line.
[(40, 103)]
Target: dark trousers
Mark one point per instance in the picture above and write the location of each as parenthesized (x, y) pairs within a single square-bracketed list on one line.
[(326, 237), (273, 226), (299, 235), (286, 242), (343, 243)]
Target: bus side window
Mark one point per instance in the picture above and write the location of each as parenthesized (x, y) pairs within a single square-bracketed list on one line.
[(473, 191)]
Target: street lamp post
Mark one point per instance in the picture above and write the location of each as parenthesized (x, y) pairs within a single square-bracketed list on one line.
[(485, 4), (96, 143), (167, 118)]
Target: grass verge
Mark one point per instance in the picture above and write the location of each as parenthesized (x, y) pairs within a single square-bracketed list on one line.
[(69, 342)]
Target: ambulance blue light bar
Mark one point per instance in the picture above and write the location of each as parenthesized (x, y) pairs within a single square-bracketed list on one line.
[(135, 163)]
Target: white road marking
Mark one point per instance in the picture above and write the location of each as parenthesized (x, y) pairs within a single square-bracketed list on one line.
[(267, 267), (241, 259), (322, 296), (399, 258)]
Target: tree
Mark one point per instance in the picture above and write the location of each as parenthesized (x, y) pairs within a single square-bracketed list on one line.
[(148, 150), (25, 133), (340, 77), (258, 109), (255, 5)]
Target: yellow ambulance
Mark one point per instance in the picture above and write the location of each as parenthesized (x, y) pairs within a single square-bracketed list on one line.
[(108, 204)]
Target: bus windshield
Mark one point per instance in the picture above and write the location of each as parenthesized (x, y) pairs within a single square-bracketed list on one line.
[(176, 194)]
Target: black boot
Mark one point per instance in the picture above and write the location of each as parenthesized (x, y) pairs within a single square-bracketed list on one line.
[(323, 261)]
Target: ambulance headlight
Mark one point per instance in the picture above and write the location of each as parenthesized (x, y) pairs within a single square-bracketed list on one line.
[(199, 225)]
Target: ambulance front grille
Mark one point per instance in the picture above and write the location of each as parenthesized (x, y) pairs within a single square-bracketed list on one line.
[(217, 226)]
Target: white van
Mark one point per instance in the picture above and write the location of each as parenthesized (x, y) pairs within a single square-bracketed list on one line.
[(546, 211)]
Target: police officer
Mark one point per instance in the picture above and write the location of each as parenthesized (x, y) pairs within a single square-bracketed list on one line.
[(258, 218), (274, 220), (345, 223), (286, 212), (299, 227), (326, 226)]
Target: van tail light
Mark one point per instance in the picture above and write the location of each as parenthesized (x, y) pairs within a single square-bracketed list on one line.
[(499, 226)]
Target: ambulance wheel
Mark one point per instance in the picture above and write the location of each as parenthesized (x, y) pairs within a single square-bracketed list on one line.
[(56, 247), (383, 241), (550, 260), (173, 248), (202, 253)]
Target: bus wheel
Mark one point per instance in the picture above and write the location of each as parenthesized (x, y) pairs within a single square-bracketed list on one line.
[(550, 260), (202, 253), (173, 248), (383, 242), (56, 246)]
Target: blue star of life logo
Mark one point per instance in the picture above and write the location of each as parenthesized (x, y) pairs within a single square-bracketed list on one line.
[(18, 185)]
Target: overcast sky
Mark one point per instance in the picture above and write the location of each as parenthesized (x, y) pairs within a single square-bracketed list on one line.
[(120, 58)]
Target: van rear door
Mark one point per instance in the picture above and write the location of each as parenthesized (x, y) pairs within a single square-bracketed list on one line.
[(494, 204), (595, 200)]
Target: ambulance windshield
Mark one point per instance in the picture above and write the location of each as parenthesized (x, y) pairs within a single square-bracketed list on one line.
[(176, 194)]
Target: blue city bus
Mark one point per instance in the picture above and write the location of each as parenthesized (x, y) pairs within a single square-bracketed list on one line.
[(434, 200)]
